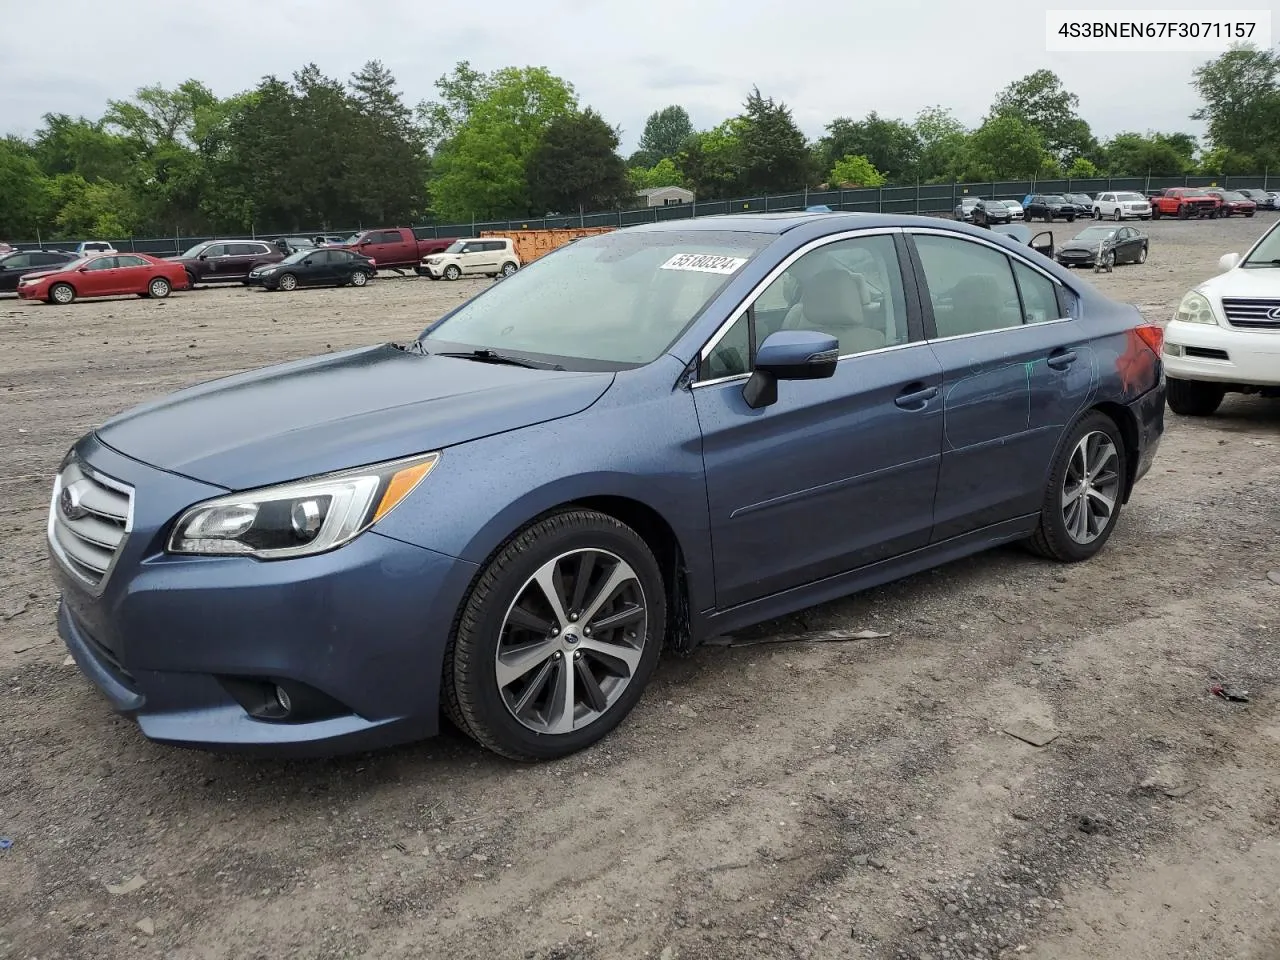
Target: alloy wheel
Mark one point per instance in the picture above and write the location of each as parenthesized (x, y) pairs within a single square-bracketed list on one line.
[(571, 641), (1090, 487), (288, 282), (63, 294), (359, 278)]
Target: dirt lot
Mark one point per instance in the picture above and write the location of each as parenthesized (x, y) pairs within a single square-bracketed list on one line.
[(777, 800)]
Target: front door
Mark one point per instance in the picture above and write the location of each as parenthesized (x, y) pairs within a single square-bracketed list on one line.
[(99, 278), (837, 473), (1014, 378)]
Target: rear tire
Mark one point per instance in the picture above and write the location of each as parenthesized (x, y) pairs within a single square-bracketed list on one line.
[(516, 715), (1194, 398), (1088, 472), (359, 278), (1155, 214), (158, 288), (1142, 254)]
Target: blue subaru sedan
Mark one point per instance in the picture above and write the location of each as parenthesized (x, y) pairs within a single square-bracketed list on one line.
[(641, 440)]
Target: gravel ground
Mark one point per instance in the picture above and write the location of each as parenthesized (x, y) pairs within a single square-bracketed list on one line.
[(776, 800)]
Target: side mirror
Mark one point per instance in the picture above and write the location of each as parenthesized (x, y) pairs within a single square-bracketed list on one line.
[(790, 355), (1228, 261), (365, 241), (306, 263), (203, 256)]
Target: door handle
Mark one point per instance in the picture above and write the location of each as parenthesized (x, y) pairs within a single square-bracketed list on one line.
[(915, 397), (1061, 359)]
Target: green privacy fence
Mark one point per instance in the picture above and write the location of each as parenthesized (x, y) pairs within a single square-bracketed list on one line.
[(926, 199)]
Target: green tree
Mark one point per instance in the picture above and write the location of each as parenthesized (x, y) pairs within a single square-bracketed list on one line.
[(1082, 168), (25, 201), (480, 170), (665, 132), (1007, 148), (711, 161), (67, 145), (390, 176), (664, 173), (102, 209), (1040, 100), (855, 171), (576, 165), (944, 145), (1157, 155), (459, 91), (892, 146), (774, 156), (1241, 93)]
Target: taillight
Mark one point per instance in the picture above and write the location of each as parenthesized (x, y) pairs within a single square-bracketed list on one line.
[(1152, 335)]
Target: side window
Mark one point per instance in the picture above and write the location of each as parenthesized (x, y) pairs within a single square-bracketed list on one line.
[(970, 286), (732, 355), (128, 261), (387, 236), (102, 263), (216, 250), (1039, 294), (19, 260)]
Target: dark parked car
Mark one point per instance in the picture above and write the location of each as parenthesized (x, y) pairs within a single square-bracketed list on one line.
[(321, 555), (228, 261), (1080, 200), (294, 244), (1260, 197), (987, 212), (1233, 202), (14, 265), (315, 268), (1104, 247), (1053, 206)]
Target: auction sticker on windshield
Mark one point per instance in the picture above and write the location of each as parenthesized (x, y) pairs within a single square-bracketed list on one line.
[(704, 263)]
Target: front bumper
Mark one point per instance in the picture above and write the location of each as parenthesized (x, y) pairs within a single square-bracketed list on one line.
[(256, 281), (433, 270), (172, 642), (30, 292), (1252, 357)]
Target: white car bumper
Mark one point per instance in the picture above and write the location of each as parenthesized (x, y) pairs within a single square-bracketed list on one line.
[(1252, 358)]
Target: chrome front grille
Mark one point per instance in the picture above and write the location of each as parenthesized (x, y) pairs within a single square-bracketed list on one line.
[(1252, 314), (89, 518)]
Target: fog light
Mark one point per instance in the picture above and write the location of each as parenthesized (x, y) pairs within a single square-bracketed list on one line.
[(282, 698), (1173, 349)]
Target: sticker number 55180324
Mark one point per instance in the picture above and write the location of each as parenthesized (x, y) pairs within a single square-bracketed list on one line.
[(704, 263)]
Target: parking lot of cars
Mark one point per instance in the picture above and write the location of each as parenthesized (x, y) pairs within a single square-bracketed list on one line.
[(846, 780)]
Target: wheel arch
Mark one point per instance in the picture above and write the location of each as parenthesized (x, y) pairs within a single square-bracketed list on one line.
[(651, 526), (1127, 424)]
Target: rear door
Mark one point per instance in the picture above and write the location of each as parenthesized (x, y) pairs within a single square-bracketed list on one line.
[(1015, 375), (240, 257), (132, 274), (323, 267), (485, 259)]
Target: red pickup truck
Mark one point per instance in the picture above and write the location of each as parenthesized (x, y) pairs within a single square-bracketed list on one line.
[(396, 248), (1184, 203)]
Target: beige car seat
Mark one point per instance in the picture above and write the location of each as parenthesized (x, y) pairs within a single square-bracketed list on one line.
[(831, 302)]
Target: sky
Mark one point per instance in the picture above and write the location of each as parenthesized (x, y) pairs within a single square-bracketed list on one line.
[(626, 60)]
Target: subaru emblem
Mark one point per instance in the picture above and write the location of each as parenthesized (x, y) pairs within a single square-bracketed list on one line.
[(70, 505)]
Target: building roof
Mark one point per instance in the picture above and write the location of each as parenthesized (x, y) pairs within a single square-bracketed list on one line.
[(650, 191)]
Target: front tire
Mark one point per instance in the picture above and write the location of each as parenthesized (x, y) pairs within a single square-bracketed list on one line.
[(1194, 398), (557, 639), (452, 272), (62, 294), (1083, 497), (1142, 254), (287, 282), (1116, 216), (158, 288)]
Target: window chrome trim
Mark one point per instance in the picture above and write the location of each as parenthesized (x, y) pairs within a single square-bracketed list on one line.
[(749, 300), (983, 241), (844, 356)]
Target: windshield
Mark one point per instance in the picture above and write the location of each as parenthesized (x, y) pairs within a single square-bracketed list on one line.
[(455, 247), (1195, 192), (298, 255), (194, 251), (1232, 196), (1130, 197), (993, 203), (618, 298), (1096, 233), (1054, 198), (1267, 252)]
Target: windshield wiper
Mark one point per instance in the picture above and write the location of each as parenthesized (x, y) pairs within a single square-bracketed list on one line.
[(1262, 263), (492, 356)]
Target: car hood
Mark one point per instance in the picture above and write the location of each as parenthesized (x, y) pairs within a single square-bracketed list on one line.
[(1089, 245), (38, 274), (341, 410), (1256, 282)]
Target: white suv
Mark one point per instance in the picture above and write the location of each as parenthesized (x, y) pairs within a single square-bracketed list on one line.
[(490, 256), (1225, 335), (1120, 205)]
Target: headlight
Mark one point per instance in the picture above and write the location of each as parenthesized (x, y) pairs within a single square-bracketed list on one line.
[(1194, 308), (301, 518)]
